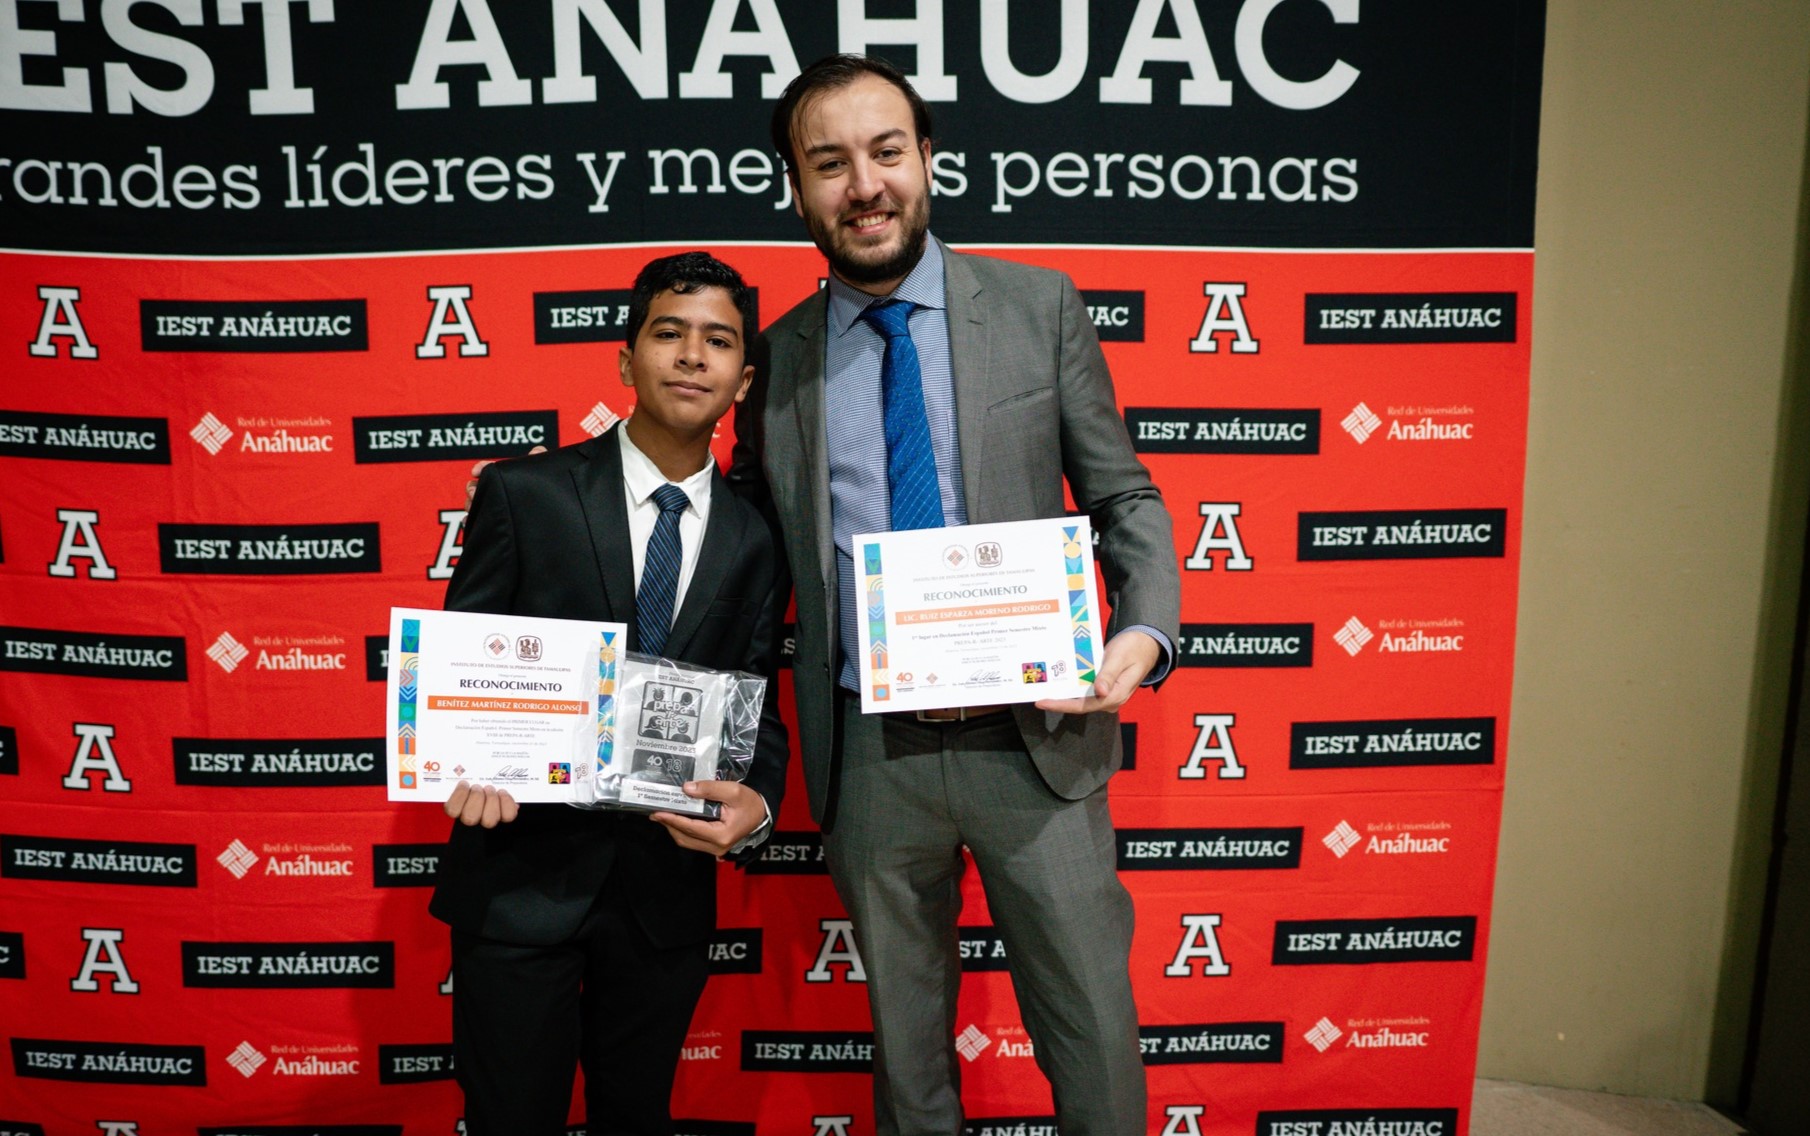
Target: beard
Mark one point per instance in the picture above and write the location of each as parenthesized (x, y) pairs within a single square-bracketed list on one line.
[(859, 265)]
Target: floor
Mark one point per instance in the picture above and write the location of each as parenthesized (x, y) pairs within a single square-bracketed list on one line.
[(1506, 1108)]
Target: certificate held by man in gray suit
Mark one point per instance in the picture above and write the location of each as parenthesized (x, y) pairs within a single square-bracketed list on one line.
[(925, 388)]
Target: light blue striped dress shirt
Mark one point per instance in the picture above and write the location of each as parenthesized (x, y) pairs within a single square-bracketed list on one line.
[(855, 425)]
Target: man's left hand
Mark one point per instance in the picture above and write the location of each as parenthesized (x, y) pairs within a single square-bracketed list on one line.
[(743, 811), (1128, 658)]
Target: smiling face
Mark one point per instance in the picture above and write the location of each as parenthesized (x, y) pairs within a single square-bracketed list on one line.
[(686, 362), (863, 181)]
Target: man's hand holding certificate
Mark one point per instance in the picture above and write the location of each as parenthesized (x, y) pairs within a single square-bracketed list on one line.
[(977, 615)]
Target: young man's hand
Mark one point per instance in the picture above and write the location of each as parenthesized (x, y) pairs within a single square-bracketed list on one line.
[(743, 812), (481, 804)]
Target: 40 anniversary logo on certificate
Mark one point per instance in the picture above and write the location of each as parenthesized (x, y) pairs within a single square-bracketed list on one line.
[(977, 614)]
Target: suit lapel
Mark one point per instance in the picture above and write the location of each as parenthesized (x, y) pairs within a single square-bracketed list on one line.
[(807, 402), (807, 379), (969, 343), (723, 538), (600, 494)]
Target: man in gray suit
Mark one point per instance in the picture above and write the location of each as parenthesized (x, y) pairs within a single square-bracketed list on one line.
[(1008, 393)]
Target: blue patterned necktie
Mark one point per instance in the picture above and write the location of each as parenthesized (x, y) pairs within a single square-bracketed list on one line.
[(660, 571), (917, 501)]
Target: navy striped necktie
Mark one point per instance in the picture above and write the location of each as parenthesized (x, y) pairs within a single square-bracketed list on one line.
[(917, 500), (660, 571)]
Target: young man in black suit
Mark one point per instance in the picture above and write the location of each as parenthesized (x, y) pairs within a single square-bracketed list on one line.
[(580, 937)]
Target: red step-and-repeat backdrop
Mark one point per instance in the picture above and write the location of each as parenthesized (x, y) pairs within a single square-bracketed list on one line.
[(276, 274)]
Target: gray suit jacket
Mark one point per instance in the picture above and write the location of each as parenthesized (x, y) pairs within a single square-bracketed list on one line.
[(1034, 406)]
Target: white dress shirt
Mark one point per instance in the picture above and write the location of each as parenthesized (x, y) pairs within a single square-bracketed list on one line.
[(640, 478)]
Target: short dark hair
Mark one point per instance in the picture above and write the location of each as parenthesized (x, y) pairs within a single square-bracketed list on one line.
[(685, 273), (828, 74)]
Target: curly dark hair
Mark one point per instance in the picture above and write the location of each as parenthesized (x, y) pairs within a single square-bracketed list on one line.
[(684, 273)]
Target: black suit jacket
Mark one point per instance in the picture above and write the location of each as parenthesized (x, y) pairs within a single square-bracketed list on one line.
[(547, 535)]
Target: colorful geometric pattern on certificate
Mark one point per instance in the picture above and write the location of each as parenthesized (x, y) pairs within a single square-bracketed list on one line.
[(1077, 603), (606, 701), (876, 623), (408, 672)]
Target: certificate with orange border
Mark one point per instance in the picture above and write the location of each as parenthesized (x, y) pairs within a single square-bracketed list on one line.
[(976, 615), (524, 704)]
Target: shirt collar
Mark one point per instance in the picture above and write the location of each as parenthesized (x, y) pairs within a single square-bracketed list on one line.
[(642, 476), (923, 286)]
